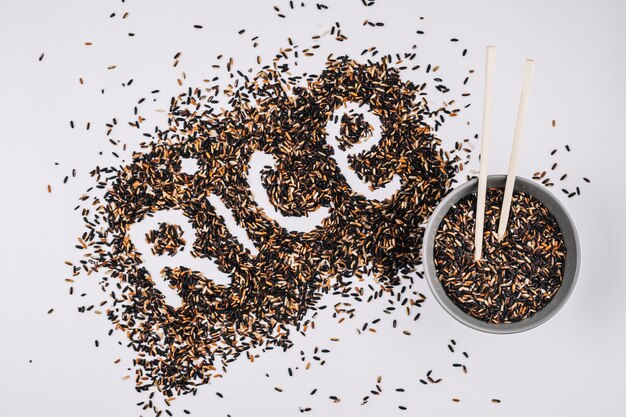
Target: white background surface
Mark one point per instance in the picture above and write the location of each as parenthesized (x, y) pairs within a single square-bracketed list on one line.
[(573, 365)]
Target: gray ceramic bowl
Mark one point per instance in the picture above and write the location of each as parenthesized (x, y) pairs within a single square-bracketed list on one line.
[(572, 257)]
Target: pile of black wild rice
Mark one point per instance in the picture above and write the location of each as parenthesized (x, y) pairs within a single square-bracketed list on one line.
[(363, 250), (179, 349), (517, 276)]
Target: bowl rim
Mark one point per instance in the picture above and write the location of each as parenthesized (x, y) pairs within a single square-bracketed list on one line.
[(540, 317)]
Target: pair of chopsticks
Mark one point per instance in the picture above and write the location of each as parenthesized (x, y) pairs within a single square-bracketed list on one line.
[(484, 152)]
